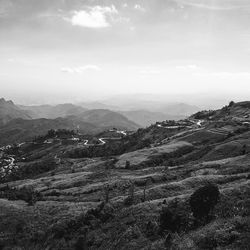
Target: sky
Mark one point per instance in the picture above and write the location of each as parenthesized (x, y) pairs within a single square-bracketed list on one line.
[(62, 50)]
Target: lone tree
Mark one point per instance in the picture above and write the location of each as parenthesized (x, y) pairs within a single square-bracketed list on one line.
[(127, 165), (231, 103), (203, 201), (130, 199), (106, 193), (244, 149)]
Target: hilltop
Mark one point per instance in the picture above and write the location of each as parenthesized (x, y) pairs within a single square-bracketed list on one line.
[(111, 195)]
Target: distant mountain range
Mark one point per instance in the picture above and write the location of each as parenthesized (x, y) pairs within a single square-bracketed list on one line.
[(137, 102), (145, 118), (149, 112), (144, 112), (24, 122), (103, 118), (20, 123)]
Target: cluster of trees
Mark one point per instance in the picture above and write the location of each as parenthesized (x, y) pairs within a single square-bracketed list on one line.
[(27, 194), (166, 159), (13, 150), (175, 217), (30, 170), (204, 114), (112, 148), (80, 225), (55, 134), (190, 157)]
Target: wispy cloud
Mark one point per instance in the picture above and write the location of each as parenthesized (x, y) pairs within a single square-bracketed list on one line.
[(189, 67), (80, 69), (139, 7), (94, 17), (18, 60), (149, 71), (226, 75), (213, 5)]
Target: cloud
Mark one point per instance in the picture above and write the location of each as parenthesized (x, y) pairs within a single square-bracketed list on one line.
[(213, 5), (226, 75), (139, 7), (81, 69), (189, 67), (18, 60), (94, 17), (150, 71)]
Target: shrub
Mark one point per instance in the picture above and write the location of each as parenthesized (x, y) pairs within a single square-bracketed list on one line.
[(203, 201), (174, 218), (81, 243)]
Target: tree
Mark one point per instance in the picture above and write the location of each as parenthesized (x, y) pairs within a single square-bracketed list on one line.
[(231, 103), (51, 133), (130, 199), (173, 218), (81, 243), (127, 165), (244, 149), (106, 193), (147, 182), (203, 201)]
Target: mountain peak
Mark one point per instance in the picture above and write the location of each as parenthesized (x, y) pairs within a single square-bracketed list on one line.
[(3, 101)]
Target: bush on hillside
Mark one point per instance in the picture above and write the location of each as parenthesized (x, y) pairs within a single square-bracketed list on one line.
[(174, 218), (203, 201)]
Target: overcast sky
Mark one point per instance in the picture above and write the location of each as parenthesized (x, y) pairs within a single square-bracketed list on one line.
[(95, 48)]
